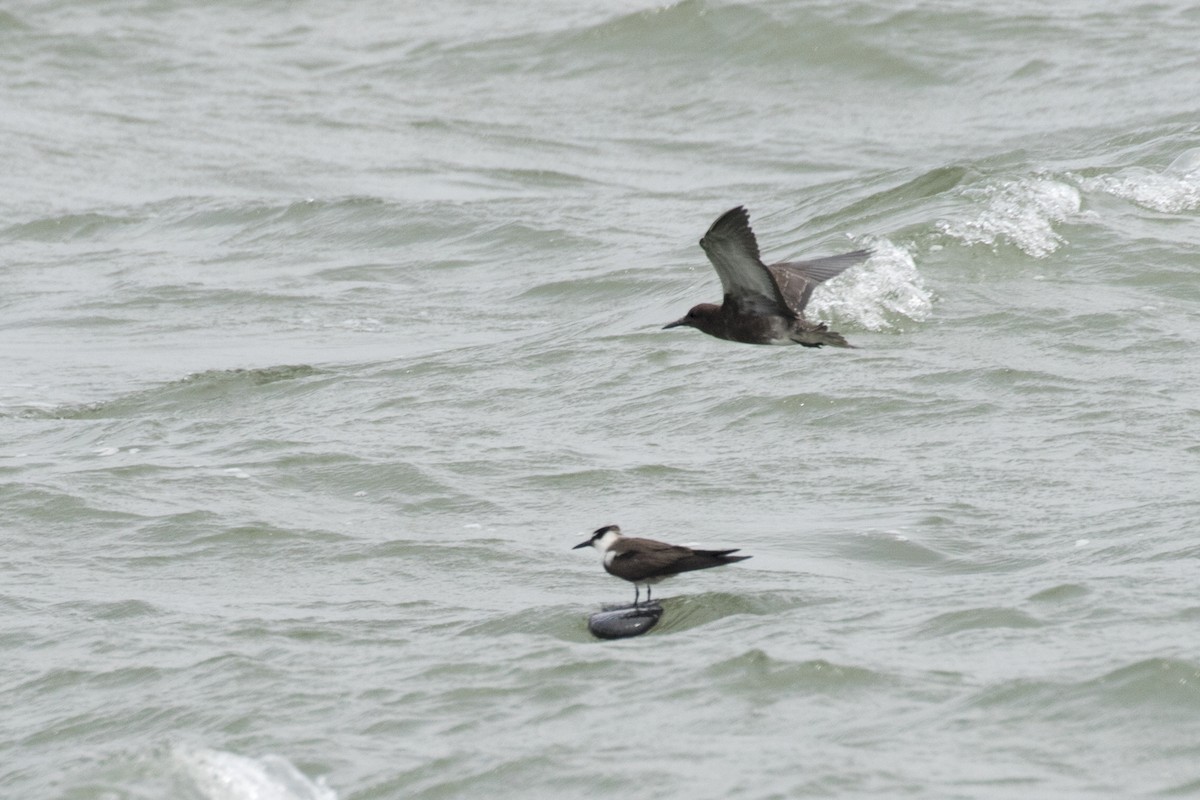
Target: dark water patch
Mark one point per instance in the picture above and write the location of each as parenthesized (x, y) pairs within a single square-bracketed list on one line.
[(300, 631), (43, 504), (1035, 68), (288, 453), (891, 549), (165, 298), (874, 411), (942, 378), (392, 481), (1166, 682), (60, 681), (567, 623), (172, 542), (14, 640), (394, 729), (1167, 686), (746, 35), (265, 539), (686, 612), (754, 670), (236, 386), (586, 479), (203, 213), (530, 179), (359, 221), (115, 610), (454, 504), (219, 379), (28, 410), (750, 405), (52, 680), (1105, 324), (13, 605), (372, 274), (553, 667), (490, 776), (445, 554), (124, 677), (11, 22), (533, 236), (519, 135), (1187, 788), (1025, 381), (888, 203), (69, 227), (83, 321), (978, 619), (225, 671), (1062, 593), (1159, 551), (593, 292), (166, 528)]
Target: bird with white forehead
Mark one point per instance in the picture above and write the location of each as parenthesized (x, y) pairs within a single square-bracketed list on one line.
[(648, 561)]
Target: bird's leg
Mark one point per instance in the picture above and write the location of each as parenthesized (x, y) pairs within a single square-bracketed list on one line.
[(637, 591), (647, 593)]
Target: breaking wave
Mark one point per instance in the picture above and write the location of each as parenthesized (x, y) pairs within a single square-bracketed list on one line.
[(1172, 191), (1022, 213), (219, 775), (880, 295)]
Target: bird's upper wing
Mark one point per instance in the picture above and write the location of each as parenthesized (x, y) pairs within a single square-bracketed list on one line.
[(646, 559), (797, 279), (731, 247)]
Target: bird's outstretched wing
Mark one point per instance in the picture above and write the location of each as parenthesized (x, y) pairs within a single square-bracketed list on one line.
[(731, 247), (797, 279)]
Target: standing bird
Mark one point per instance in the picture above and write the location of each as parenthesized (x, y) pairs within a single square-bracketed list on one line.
[(647, 561), (764, 304)]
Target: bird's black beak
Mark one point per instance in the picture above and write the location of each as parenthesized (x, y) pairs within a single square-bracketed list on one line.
[(582, 544), (676, 323)]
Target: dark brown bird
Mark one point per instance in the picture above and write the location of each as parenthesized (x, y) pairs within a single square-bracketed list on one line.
[(764, 304), (647, 561)]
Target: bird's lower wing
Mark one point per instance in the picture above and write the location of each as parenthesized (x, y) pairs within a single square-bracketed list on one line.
[(797, 279)]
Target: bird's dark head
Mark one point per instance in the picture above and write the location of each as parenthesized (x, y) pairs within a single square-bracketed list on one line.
[(598, 535), (702, 316)]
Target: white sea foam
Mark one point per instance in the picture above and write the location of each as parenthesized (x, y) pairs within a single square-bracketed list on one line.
[(878, 295), (219, 775), (1175, 190), (1021, 212)]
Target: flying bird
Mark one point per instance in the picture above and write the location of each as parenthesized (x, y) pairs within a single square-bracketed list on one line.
[(647, 561), (763, 304)]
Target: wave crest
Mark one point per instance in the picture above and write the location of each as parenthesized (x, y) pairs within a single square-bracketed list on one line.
[(1021, 212), (880, 295), (219, 775), (1175, 190)]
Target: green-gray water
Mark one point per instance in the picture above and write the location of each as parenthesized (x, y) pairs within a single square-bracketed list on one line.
[(327, 330)]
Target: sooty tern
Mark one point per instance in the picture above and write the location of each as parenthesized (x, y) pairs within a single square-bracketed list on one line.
[(763, 304), (647, 561)]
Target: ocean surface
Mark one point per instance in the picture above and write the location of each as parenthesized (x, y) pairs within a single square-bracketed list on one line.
[(326, 331)]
